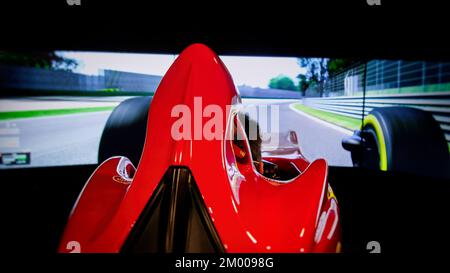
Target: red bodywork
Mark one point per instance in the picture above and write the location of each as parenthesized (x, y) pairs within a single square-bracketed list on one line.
[(251, 213)]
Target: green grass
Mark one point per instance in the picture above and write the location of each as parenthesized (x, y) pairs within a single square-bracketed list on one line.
[(51, 112), (340, 120), (98, 93)]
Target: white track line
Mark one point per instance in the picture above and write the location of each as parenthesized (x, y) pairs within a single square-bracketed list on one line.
[(330, 125)]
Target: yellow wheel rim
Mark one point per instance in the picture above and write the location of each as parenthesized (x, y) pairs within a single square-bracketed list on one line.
[(372, 120)]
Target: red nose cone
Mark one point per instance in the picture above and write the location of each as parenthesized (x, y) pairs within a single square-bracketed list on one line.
[(199, 70), (197, 79), (198, 52)]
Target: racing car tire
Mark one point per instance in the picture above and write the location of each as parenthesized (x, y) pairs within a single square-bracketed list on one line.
[(125, 130), (407, 140)]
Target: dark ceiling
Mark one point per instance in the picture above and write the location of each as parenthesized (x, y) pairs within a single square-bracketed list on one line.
[(349, 28)]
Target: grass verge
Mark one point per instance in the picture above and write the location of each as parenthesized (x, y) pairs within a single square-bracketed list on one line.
[(51, 112), (340, 120)]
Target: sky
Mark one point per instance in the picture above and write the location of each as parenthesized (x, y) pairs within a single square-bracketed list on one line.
[(252, 71)]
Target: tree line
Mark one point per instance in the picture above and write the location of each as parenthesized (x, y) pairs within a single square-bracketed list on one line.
[(318, 70)]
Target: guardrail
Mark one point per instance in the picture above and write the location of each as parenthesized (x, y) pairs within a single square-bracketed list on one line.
[(31, 78), (389, 77), (437, 103)]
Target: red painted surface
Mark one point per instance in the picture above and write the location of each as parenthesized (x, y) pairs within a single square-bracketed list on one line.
[(251, 213)]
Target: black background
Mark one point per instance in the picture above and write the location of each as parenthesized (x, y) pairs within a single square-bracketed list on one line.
[(397, 29)]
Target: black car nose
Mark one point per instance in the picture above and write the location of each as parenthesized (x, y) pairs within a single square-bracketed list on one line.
[(175, 219)]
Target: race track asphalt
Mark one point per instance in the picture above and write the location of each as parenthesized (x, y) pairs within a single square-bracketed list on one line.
[(316, 138), (74, 139), (59, 140)]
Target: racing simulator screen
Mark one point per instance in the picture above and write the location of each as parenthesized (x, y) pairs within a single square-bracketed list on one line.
[(198, 152)]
